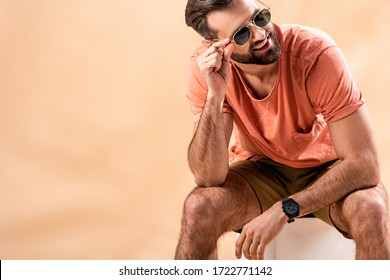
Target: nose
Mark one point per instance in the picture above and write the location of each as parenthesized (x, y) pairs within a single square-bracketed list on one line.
[(257, 33)]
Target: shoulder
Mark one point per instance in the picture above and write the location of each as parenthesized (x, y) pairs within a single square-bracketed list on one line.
[(194, 78), (192, 64), (303, 41), (197, 52)]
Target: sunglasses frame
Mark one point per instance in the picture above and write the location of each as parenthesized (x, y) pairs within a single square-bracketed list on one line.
[(251, 22)]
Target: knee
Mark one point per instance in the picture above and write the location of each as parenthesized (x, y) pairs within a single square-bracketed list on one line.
[(198, 206), (374, 212), (367, 211)]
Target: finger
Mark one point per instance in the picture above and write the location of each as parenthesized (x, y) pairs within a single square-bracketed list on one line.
[(260, 252), (228, 50), (222, 48), (221, 43), (211, 52), (210, 61), (245, 248), (253, 249), (213, 56), (216, 47), (212, 65), (240, 240)]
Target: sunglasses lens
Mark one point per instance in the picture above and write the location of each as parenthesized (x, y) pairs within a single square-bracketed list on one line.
[(263, 18), (242, 36)]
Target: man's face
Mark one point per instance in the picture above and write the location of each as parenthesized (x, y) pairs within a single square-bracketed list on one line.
[(262, 47)]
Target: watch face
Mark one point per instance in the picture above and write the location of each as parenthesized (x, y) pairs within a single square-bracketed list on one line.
[(291, 207)]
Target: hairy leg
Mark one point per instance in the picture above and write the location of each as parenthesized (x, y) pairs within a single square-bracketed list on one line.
[(210, 212), (364, 214)]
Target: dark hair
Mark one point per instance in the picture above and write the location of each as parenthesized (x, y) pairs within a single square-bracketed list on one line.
[(196, 12)]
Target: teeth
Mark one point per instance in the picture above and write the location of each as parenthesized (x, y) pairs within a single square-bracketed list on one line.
[(262, 45)]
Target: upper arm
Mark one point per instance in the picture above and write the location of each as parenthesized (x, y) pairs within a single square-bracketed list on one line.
[(228, 124), (331, 87), (353, 139)]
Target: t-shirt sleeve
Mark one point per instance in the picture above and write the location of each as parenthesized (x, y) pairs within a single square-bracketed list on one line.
[(197, 89), (331, 88)]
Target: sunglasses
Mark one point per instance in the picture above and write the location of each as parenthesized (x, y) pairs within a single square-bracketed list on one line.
[(261, 19)]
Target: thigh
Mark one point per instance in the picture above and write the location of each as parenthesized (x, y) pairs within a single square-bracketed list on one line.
[(231, 205), (267, 182)]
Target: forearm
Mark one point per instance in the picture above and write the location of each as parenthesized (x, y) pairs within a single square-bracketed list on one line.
[(208, 152), (347, 176)]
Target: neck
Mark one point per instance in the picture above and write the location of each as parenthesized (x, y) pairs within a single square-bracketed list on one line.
[(263, 72), (260, 79)]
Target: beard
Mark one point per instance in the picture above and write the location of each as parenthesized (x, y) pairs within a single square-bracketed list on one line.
[(268, 57)]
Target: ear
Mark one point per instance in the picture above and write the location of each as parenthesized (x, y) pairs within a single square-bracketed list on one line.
[(207, 43)]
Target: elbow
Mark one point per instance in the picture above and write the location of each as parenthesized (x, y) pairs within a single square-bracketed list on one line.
[(208, 181), (373, 176), (211, 176), (375, 171), (370, 172), (363, 167)]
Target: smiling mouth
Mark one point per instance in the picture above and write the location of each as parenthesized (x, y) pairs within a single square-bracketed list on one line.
[(263, 44)]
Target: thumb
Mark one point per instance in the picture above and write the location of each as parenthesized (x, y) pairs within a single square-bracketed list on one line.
[(228, 52)]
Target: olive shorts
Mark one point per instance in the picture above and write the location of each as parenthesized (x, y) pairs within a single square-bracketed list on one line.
[(272, 181)]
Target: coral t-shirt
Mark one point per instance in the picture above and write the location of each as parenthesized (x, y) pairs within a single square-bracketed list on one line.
[(314, 86)]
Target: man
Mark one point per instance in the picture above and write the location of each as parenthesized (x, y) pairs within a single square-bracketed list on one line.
[(304, 143)]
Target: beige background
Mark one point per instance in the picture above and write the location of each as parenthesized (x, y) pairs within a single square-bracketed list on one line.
[(94, 122)]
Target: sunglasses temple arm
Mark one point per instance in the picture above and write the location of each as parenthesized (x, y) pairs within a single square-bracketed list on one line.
[(264, 4)]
